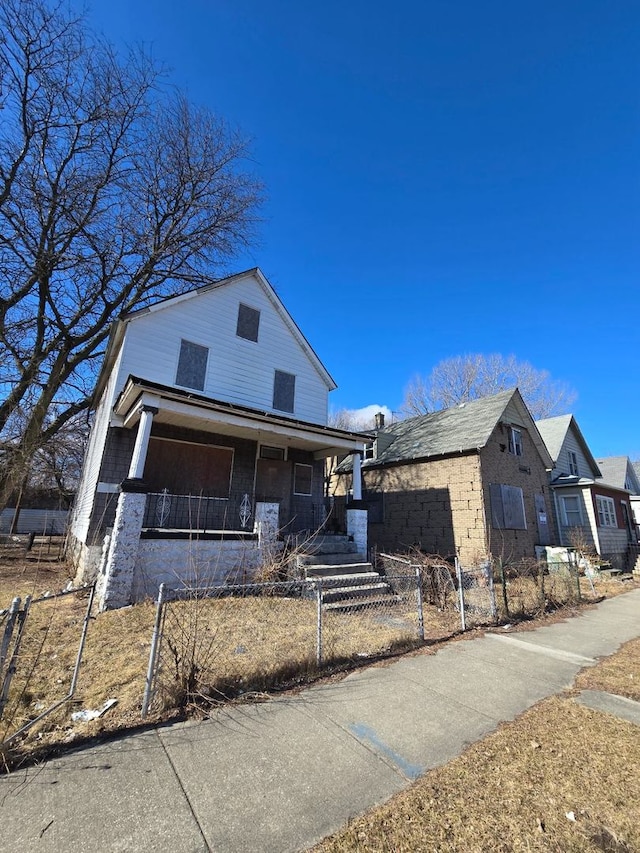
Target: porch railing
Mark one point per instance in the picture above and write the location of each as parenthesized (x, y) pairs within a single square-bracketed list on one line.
[(164, 511)]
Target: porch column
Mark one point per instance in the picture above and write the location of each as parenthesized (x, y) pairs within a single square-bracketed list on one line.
[(357, 475), (115, 581), (136, 468), (357, 514)]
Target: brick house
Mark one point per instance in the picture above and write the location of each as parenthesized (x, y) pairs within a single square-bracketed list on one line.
[(591, 510), (471, 480), (208, 442)]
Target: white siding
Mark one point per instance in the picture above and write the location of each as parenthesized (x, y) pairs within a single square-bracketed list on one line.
[(238, 371), (570, 443), (81, 517)]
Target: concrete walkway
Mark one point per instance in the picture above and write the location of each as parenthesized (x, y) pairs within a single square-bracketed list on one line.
[(281, 775)]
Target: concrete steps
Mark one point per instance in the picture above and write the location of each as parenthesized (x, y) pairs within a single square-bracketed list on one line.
[(349, 582)]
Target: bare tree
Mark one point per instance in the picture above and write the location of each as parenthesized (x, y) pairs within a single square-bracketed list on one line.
[(113, 192), (467, 377)]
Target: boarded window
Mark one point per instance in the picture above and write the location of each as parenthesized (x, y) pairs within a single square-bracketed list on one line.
[(248, 323), (192, 365), (302, 479), (507, 507), (188, 469), (284, 389)]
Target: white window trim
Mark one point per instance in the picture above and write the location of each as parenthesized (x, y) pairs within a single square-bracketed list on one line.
[(606, 511), (515, 445), (274, 446), (302, 465), (573, 463), (565, 519)]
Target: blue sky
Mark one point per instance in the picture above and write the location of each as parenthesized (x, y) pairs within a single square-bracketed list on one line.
[(442, 177)]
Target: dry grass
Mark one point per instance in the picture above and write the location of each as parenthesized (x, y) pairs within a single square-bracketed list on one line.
[(618, 674), (247, 645), (513, 791)]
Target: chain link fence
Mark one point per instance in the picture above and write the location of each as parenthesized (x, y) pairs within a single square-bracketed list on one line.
[(529, 588), (30, 664), (212, 643)]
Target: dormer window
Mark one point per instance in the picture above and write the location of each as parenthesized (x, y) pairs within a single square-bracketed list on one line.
[(248, 323), (573, 463), (515, 441), (369, 450)]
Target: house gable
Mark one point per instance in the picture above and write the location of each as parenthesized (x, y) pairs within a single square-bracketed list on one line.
[(233, 341), (619, 472), (568, 448)]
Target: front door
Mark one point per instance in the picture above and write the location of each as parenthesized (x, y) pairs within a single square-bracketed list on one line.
[(273, 485), (544, 537)]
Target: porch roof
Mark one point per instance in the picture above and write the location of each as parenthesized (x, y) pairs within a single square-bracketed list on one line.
[(195, 411)]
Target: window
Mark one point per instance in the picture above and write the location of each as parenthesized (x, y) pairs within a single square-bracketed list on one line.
[(248, 323), (515, 441), (302, 479), (606, 511), (267, 452), (507, 507), (185, 468), (192, 365), (368, 450), (573, 463), (571, 511), (284, 389)]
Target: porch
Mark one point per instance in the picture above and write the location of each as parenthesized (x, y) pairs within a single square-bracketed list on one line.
[(205, 470)]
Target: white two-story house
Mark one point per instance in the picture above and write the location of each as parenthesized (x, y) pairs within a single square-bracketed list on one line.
[(210, 429)]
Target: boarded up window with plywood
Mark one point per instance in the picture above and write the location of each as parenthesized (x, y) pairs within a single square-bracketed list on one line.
[(507, 507), (302, 479), (248, 322), (284, 389), (184, 468), (192, 365)]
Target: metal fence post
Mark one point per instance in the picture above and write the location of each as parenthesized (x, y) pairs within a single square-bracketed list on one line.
[(153, 654), (21, 618), (419, 603), (319, 622), (8, 631), (492, 590), (463, 622)]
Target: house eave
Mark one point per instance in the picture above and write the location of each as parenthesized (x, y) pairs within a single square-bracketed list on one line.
[(195, 411)]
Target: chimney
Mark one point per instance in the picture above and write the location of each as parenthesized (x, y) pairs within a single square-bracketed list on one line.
[(380, 420)]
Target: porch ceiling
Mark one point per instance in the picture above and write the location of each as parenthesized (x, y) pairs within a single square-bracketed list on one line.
[(190, 411)]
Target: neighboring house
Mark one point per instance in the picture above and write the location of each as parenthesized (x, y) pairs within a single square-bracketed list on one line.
[(210, 424), (621, 472), (470, 481), (590, 511)]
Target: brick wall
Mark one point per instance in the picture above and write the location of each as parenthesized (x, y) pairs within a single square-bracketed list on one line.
[(441, 505), (528, 473), (436, 506)]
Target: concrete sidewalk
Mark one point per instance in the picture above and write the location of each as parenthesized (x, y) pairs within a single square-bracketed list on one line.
[(281, 775)]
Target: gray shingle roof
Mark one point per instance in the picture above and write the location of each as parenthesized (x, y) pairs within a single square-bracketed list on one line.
[(553, 431), (461, 428), (618, 471)]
